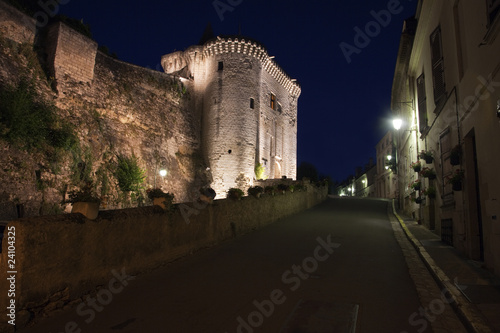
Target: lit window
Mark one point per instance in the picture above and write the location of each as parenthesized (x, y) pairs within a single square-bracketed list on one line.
[(273, 102)]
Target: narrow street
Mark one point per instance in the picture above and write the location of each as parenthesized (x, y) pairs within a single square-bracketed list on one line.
[(334, 268)]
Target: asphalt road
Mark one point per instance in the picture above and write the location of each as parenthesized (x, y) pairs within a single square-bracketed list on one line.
[(334, 268)]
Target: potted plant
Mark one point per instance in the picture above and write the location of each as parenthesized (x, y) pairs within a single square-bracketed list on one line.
[(85, 201), (455, 155), (256, 191), (456, 180), (299, 188), (160, 198), (235, 194), (428, 173), (430, 192), (427, 156), (207, 194), (417, 200), (270, 190), (416, 166), (416, 185), (283, 188)]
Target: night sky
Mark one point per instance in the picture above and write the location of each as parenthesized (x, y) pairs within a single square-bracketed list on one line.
[(343, 108)]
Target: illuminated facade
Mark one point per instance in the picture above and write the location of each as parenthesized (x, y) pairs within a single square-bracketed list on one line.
[(446, 91), (248, 109)]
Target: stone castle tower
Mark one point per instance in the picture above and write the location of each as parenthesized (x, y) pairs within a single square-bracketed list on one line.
[(247, 106)]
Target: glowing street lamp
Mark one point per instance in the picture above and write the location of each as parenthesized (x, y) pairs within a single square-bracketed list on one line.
[(397, 123), (163, 172)]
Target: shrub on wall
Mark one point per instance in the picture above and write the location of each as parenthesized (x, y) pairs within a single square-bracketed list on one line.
[(29, 123), (129, 175)]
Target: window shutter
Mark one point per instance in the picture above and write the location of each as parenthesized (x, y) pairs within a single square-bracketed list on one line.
[(438, 78), (422, 103)]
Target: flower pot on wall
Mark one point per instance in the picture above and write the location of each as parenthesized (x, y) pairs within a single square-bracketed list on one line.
[(162, 202), (88, 209)]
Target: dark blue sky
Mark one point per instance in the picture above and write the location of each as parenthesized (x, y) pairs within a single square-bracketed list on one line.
[(344, 106)]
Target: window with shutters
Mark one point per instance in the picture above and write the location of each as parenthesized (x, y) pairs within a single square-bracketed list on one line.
[(422, 103), (438, 78)]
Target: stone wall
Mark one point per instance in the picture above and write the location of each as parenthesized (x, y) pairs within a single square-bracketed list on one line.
[(15, 25), (116, 109), (63, 257)]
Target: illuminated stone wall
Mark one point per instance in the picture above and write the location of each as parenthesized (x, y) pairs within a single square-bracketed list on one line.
[(233, 80)]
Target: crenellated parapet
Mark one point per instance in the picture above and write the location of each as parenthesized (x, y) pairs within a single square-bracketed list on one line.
[(221, 45)]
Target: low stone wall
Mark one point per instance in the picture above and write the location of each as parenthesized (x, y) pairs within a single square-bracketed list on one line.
[(61, 258)]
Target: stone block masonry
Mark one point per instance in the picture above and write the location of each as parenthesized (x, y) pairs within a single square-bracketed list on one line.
[(61, 258), (70, 54)]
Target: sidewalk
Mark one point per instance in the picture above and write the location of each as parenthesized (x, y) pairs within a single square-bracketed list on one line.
[(475, 290)]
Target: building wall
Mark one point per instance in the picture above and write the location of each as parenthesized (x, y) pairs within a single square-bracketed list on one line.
[(386, 179), (466, 117)]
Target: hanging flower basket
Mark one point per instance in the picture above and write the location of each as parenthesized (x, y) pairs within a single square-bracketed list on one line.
[(427, 156), (416, 185), (417, 200), (430, 192), (456, 180), (416, 166), (428, 173)]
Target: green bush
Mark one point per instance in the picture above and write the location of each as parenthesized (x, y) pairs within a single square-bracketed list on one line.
[(31, 123), (128, 174)]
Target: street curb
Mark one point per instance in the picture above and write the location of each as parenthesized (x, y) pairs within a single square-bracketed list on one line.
[(467, 313)]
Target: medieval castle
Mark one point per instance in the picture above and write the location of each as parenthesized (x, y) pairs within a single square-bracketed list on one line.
[(248, 107), (219, 109)]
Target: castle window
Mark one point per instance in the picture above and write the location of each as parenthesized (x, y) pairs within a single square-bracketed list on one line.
[(221, 65), (279, 108), (252, 103), (273, 102)]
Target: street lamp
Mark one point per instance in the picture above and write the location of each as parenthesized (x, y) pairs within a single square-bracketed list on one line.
[(163, 172), (397, 122)]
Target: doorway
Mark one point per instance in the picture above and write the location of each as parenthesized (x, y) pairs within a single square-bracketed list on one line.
[(475, 228)]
